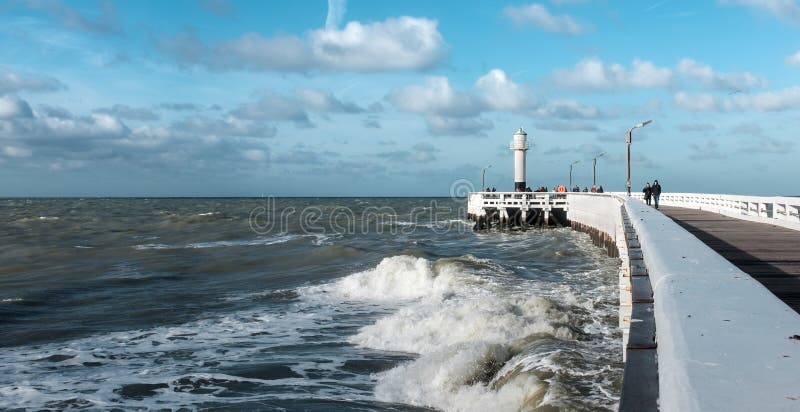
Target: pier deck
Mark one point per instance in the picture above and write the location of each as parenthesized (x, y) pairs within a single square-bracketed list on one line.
[(768, 253)]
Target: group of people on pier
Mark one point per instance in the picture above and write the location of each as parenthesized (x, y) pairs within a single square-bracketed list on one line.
[(653, 192)]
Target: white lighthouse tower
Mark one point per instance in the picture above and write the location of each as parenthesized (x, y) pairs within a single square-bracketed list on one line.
[(519, 146)]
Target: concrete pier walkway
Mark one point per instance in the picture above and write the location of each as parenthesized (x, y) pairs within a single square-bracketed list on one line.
[(768, 253)]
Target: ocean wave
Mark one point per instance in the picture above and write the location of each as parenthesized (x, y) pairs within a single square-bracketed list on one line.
[(395, 278), (259, 241), (476, 337)]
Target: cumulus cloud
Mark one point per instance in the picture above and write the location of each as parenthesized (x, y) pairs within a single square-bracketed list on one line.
[(436, 97), (13, 107), (769, 101), (537, 15), (403, 43), (783, 9), (295, 107), (716, 80), (230, 126), (12, 83), (449, 111), (255, 155), (16, 151), (777, 100), (322, 101), (501, 93), (593, 74)]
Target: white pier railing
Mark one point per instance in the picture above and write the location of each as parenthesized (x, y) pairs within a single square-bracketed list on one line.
[(774, 210), (478, 201)]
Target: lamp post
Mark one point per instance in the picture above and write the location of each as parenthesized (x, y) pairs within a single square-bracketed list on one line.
[(570, 173), (594, 168), (628, 141), (483, 178)]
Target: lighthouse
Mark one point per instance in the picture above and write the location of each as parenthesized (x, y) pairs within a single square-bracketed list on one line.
[(519, 146)]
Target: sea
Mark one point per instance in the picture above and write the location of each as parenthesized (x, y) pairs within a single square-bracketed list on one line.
[(299, 304)]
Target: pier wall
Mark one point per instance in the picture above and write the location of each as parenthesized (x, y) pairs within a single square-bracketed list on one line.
[(724, 341)]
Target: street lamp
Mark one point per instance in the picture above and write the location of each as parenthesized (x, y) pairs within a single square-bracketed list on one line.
[(594, 168), (483, 178), (570, 173), (628, 140)]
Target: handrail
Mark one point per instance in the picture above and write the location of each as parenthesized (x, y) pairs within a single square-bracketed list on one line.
[(781, 211)]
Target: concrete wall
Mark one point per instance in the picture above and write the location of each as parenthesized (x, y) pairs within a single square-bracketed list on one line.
[(593, 213), (723, 339)]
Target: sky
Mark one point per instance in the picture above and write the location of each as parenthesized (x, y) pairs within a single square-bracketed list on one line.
[(391, 98)]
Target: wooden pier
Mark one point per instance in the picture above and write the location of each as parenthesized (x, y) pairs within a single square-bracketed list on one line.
[(768, 253)]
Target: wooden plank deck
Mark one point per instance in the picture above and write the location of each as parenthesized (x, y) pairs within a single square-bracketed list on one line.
[(770, 254)]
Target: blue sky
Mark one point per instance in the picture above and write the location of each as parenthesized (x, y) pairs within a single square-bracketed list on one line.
[(361, 98)]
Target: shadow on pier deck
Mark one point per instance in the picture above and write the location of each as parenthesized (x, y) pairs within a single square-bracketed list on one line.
[(768, 253)]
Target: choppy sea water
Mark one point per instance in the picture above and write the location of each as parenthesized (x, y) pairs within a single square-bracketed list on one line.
[(299, 304)]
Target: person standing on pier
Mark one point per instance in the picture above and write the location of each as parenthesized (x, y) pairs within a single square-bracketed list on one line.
[(647, 191), (656, 192)]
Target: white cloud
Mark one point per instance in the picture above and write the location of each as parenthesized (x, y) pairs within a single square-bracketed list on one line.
[(593, 74), (255, 155), (14, 151), (782, 99), (403, 43), (778, 100), (436, 97), (538, 15), (13, 107), (721, 81), (325, 102), (12, 83), (784, 9), (295, 107), (230, 126), (794, 60), (695, 102), (501, 93)]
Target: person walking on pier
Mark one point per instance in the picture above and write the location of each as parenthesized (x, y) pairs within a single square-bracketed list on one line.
[(656, 192), (647, 191)]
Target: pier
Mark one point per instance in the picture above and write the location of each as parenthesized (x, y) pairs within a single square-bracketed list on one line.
[(708, 291)]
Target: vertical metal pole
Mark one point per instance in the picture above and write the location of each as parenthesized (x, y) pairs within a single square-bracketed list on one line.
[(570, 178), (628, 184), (594, 172), (483, 180)]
